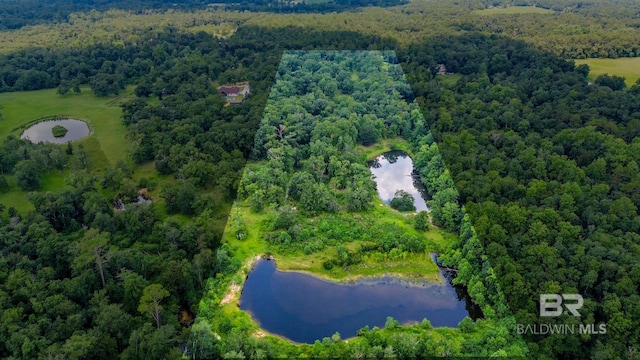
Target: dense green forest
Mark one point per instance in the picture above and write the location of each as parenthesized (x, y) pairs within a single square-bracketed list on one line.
[(623, 8), (309, 167), (573, 29), (321, 6), (317, 193), (99, 264), (16, 14), (546, 165), (545, 168)]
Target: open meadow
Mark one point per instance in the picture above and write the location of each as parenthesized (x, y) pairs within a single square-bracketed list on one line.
[(628, 68), (106, 145)]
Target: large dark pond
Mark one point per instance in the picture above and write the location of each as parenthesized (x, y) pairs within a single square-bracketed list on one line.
[(394, 171), (304, 308), (42, 131)]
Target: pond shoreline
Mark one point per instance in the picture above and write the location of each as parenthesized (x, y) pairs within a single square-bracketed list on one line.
[(235, 289), (316, 308), (387, 277), (395, 171), (297, 286), (41, 130)]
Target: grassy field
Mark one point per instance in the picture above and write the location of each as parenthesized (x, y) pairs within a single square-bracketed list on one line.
[(52, 181), (414, 266), (449, 80), (511, 10), (106, 146), (417, 266), (629, 68)]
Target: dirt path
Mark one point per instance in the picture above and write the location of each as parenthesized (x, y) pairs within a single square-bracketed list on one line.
[(235, 289)]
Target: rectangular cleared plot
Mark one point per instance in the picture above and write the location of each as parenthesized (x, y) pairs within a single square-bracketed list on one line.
[(309, 198)]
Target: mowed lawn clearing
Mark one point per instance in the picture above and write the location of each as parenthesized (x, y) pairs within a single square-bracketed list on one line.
[(107, 145), (629, 68), (54, 180)]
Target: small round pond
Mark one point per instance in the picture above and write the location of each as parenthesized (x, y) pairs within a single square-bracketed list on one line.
[(394, 171), (304, 308), (43, 131)]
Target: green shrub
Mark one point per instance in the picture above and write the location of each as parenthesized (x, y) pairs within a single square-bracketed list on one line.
[(4, 185), (59, 131), (421, 221), (402, 201)]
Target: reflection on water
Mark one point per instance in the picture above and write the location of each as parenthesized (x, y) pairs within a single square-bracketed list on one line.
[(304, 308), (42, 131), (393, 171)]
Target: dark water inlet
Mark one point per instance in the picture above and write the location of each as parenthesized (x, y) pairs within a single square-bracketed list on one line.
[(394, 171), (42, 131), (304, 308)]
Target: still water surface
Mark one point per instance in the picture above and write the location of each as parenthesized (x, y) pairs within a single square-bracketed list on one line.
[(304, 308), (41, 132), (394, 171)]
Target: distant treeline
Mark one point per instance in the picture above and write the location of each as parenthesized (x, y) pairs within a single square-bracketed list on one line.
[(594, 9), (546, 164), (16, 14), (307, 6)]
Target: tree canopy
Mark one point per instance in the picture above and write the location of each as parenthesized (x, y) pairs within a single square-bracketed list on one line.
[(518, 144)]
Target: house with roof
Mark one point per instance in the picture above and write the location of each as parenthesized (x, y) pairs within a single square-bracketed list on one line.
[(442, 70), (235, 93)]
